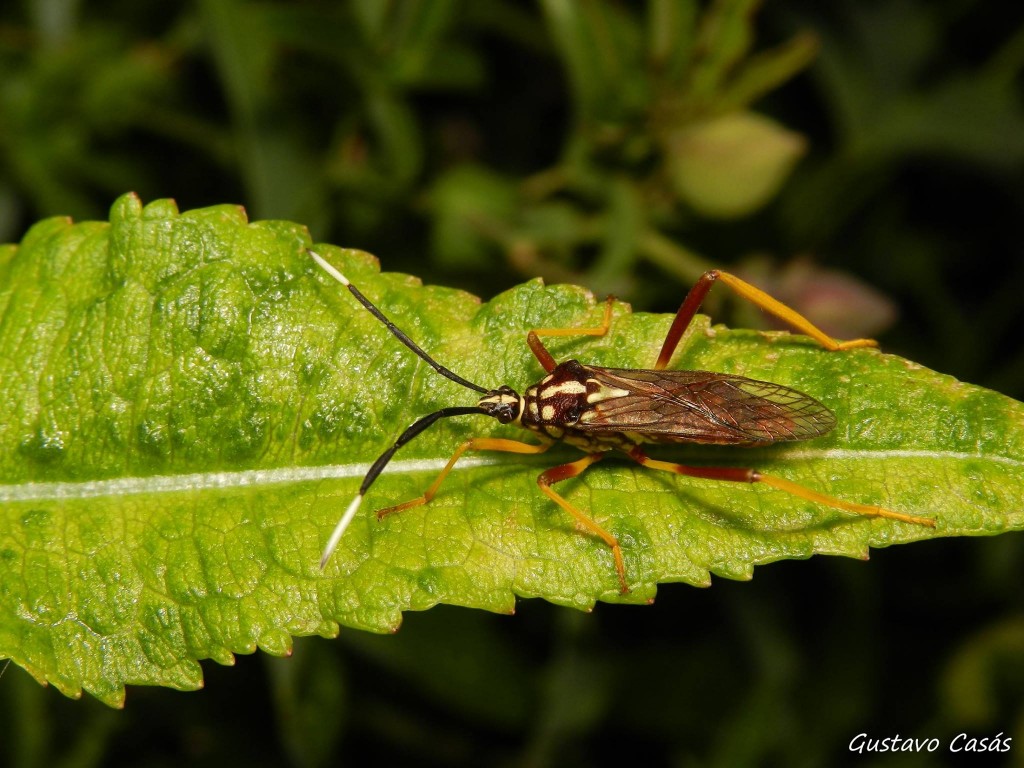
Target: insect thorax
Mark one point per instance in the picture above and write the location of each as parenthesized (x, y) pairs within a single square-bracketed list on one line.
[(560, 406)]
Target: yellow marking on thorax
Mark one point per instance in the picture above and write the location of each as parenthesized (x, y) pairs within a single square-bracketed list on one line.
[(570, 387), (519, 413)]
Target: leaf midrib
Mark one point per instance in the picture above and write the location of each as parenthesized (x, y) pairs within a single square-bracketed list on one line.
[(155, 484), (130, 486)]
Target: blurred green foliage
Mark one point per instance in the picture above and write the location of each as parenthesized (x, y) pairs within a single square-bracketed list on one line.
[(822, 147)]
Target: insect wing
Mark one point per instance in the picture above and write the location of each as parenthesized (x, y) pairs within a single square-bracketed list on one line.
[(700, 407)]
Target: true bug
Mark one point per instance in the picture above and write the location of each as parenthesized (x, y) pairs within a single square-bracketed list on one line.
[(601, 409)]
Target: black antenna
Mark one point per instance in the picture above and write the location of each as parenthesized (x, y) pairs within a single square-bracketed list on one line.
[(418, 426), (378, 466), (399, 334)]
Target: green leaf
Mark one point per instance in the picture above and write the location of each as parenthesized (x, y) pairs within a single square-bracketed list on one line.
[(733, 164), (189, 404), (725, 36), (769, 70)]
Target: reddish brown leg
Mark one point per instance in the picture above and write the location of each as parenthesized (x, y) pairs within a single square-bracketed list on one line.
[(476, 444), (546, 359), (756, 296), (735, 474), (575, 469)]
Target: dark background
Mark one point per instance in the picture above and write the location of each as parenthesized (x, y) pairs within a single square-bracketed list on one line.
[(477, 144)]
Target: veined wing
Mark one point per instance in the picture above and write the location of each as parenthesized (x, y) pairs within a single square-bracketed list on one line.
[(700, 407)]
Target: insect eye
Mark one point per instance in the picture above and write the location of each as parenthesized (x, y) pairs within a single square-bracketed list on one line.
[(506, 414)]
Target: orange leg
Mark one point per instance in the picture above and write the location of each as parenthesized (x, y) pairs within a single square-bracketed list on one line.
[(476, 444), (756, 296), (735, 474), (541, 352), (575, 469)]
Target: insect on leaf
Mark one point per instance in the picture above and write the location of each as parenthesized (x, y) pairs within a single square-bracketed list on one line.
[(189, 403)]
